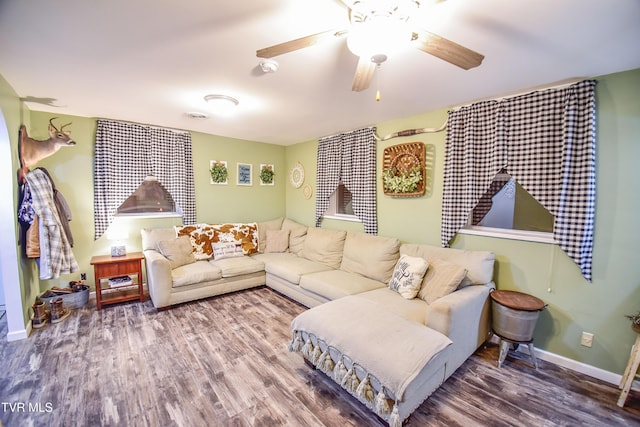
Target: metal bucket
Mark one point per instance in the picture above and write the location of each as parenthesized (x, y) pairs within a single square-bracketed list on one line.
[(514, 325), (76, 299)]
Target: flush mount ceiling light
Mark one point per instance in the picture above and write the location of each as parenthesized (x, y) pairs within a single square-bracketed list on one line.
[(221, 104)]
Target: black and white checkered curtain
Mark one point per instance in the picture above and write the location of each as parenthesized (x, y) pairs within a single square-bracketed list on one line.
[(546, 141), (126, 153), (351, 158)]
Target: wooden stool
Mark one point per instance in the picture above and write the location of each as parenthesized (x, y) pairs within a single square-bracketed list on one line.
[(631, 371)]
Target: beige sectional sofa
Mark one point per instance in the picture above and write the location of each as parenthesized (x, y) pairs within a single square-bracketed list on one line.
[(342, 275)]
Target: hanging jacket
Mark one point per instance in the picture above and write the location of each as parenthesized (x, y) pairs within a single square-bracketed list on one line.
[(56, 257), (62, 207)]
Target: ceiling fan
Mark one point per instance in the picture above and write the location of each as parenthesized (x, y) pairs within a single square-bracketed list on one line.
[(377, 28)]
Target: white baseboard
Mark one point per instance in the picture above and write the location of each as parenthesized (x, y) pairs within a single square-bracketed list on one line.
[(19, 335), (576, 366)]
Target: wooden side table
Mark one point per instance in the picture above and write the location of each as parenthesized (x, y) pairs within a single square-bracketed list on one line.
[(630, 372), (106, 267)]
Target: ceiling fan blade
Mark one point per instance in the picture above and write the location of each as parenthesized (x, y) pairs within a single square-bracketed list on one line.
[(447, 50), (301, 43), (364, 74)]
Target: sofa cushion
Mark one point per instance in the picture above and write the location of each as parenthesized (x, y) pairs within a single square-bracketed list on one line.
[(178, 251), (407, 276), (231, 267), (441, 279), (370, 256), (289, 266), (334, 284), (297, 234), (274, 224), (277, 241), (222, 250), (479, 264), (198, 272), (151, 237), (324, 246)]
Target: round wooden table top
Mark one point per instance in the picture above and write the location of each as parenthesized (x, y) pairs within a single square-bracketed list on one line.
[(517, 300)]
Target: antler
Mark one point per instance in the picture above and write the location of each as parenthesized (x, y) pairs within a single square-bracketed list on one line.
[(52, 125), (64, 126)]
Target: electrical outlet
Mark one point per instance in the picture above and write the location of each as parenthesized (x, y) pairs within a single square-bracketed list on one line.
[(83, 276), (586, 339)]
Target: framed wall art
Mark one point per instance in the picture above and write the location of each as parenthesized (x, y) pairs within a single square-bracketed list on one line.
[(245, 172), (267, 173), (219, 172)]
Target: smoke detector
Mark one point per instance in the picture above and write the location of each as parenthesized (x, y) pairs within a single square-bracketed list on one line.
[(268, 66)]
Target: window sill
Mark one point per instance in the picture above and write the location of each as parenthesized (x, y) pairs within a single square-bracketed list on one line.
[(143, 215), (503, 233), (350, 218)]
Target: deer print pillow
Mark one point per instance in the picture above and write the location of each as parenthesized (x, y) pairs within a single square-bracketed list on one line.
[(407, 276)]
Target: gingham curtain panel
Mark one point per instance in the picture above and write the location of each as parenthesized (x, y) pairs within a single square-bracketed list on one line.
[(351, 158), (546, 141), (126, 153)]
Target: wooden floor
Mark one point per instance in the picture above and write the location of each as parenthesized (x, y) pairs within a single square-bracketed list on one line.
[(224, 362)]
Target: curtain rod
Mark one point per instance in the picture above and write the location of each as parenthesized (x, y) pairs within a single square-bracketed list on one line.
[(352, 130), (559, 85), (145, 124)]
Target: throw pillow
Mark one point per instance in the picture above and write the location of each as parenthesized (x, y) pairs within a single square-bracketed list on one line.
[(274, 224), (297, 235), (223, 250), (202, 237), (407, 276), (441, 279), (277, 241), (178, 251)]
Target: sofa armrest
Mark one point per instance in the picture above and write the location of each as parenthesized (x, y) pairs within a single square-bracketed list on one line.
[(159, 278), (463, 316)]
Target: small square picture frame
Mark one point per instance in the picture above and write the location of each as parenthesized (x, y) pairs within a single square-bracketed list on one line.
[(244, 174), (271, 168), (226, 169)]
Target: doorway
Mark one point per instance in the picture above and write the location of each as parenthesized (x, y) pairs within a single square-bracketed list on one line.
[(9, 275)]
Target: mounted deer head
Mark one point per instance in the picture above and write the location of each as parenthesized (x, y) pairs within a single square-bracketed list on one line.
[(32, 150)]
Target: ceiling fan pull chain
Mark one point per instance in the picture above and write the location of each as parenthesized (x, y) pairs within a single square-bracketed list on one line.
[(378, 83)]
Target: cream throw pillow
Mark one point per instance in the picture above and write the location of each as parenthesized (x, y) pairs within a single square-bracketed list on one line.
[(222, 250), (441, 279), (277, 241), (178, 251), (407, 276)]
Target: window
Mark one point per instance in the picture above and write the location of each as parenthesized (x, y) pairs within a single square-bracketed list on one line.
[(340, 205), (508, 210)]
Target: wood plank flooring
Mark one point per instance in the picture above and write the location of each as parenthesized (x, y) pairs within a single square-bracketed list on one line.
[(224, 362)]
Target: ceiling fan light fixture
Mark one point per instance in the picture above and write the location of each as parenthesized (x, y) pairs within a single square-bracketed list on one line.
[(221, 104), (379, 35)]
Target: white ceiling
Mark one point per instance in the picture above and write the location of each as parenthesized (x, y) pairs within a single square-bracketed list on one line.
[(152, 61)]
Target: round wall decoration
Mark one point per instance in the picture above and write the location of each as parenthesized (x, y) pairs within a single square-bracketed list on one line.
[(296, 175), (307, 191)]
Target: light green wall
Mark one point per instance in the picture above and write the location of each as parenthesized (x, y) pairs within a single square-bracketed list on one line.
[(575, 305), (233, 203)]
